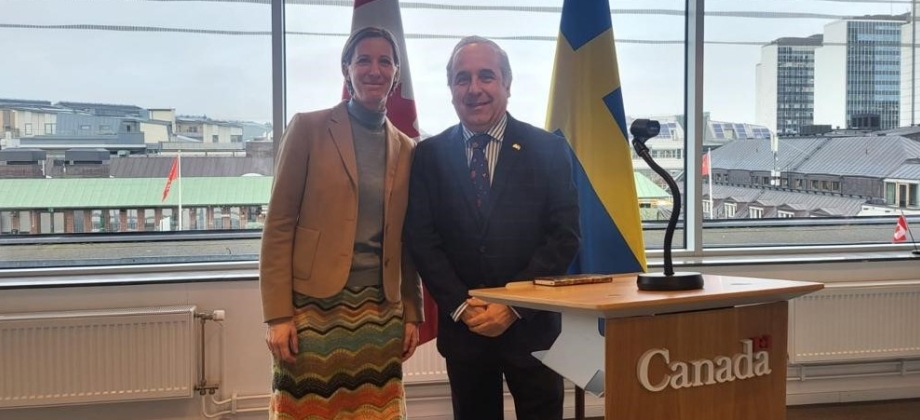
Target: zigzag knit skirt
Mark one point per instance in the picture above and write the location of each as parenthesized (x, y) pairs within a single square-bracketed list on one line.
[(349, 363)]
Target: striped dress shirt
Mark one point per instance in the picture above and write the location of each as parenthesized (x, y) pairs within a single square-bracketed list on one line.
[(497, 132)]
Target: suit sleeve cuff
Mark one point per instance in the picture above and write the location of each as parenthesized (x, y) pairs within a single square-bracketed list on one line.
[(459, 311)]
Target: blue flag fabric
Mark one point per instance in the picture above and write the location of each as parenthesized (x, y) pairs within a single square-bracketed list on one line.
[(586, 107)]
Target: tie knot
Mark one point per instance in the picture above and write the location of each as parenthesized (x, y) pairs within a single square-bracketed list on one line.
[(479, 141)]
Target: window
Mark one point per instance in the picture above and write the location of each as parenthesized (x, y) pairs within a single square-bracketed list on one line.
[(168, 222), (97, 221), (902, 194), (132, 219), (25, 223), (830, 69), (730, 210), (6, 222), (124, 103), (78, 221), (149, 220), (218, 219), (734, 114)]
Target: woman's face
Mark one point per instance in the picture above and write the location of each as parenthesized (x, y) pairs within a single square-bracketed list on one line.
[(372, 72)]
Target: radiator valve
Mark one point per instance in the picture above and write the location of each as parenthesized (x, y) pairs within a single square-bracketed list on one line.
[(215, 315)]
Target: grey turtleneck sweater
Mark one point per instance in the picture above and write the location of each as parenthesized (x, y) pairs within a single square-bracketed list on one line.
[(367, 128)]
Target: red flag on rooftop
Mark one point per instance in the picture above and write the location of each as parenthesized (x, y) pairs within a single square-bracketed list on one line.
[(706, 169), (900, 230), (173, 174), (400, 106)]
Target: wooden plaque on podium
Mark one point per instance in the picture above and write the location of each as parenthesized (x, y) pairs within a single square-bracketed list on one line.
[(713, 354)]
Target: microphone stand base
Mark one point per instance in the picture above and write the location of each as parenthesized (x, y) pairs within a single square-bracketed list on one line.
[(659, 282), (915, 252)]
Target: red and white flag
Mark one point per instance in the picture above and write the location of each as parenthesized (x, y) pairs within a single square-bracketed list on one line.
[(400, 106), (900, 230), (385, 14), (706, 169), (173, 174)]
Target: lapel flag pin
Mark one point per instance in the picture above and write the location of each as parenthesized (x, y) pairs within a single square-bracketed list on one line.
[(516, 146)]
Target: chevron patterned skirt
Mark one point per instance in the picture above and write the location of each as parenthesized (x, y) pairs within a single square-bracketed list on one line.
[(349, 364)]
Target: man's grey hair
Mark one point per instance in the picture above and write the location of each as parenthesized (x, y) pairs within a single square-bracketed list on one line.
[(503, 63)]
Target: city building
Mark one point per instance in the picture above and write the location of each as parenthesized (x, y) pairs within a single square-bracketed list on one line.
[(910, 65), (667, 148), (814, 177), (25, 118), (858, 73), (35, 206), (785, 81), (207, 130), (119, 128)]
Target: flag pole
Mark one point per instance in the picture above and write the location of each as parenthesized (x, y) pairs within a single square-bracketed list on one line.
[(179, 180), (916, 250)]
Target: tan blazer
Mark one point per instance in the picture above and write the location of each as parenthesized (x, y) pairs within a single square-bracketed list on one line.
[(309, 234)]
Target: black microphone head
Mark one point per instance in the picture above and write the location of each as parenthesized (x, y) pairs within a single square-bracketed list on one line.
[(644, 128)]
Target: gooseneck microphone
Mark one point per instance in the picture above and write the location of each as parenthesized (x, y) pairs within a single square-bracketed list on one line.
[(643, 130)]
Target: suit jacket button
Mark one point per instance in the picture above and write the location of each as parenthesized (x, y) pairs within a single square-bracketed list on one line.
[(482, 249)]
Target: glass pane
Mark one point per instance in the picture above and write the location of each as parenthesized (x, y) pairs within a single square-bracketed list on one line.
[(809, 96), (650, 50), (122, 88)]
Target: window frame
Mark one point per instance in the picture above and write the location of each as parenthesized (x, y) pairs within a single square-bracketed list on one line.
[(693, 137)]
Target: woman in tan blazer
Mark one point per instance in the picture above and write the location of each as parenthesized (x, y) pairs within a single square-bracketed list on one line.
[(341, 300)]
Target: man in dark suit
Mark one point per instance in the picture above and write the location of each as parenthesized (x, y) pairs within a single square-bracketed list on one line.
[(491, 201)]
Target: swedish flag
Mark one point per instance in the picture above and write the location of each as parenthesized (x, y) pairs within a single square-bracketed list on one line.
[(586, 107)]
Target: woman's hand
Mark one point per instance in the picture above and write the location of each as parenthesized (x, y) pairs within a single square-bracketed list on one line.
[(281, 338), (410, 340)]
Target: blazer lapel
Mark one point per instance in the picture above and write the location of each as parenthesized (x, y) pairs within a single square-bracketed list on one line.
[(340, 130), (460, 168), (392, 162)]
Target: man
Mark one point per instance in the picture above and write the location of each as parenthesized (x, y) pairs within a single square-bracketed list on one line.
[(491, 201)]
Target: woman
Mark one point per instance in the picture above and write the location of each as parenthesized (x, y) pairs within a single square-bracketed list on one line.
[(341, 300)]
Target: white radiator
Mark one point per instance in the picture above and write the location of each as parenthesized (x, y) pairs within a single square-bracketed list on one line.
[(850, 324), (80, 357), (426, 365)]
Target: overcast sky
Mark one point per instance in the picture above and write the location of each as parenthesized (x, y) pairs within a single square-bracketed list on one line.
[(229, 76)]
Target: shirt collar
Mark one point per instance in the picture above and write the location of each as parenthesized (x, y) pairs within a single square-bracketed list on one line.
[(497, 132)]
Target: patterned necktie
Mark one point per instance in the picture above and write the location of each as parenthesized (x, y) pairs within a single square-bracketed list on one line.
[(479, 168)]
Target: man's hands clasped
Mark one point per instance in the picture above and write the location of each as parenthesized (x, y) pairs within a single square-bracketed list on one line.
[(487, 319)]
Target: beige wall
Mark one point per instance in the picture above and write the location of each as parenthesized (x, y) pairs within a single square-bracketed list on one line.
[(224, 133), (239, 361), (165, 115), (155, 133), (35, 121)]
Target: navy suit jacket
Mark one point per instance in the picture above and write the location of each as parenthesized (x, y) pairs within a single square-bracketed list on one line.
[(529, 228)]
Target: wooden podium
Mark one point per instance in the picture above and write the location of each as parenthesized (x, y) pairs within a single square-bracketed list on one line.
[(713, 354)]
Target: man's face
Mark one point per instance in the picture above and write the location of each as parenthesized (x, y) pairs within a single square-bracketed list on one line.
[(480, 93)]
